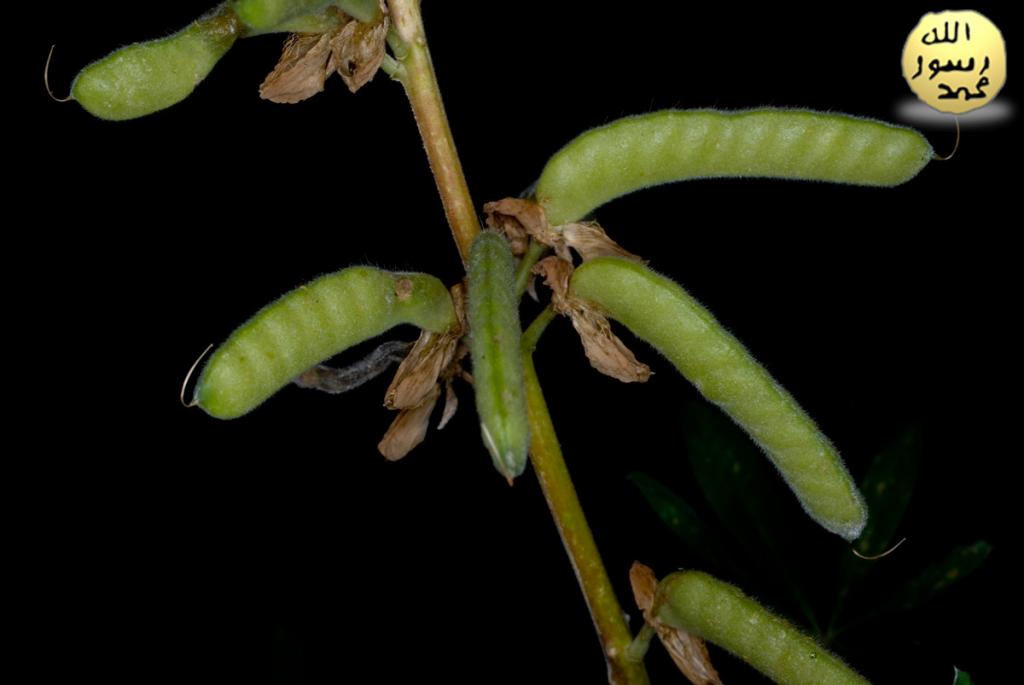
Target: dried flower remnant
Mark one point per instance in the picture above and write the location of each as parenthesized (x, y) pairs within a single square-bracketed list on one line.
[(357, 51), (434, 358), (688, 652), (522, 219), (353, 48), (301, 71), (409, 428), (606, 352)]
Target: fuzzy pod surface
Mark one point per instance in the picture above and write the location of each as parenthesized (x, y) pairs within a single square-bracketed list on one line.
[(723, 614), (660, 312), (677, 145), (310, 324), (143, 78), (266, 15), (494, 345)]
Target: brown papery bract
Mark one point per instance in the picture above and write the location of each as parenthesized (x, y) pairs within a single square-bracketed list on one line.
[(409, 428), (688, 652), (606, 352), (521, 220), (301, 70), (357, 51)]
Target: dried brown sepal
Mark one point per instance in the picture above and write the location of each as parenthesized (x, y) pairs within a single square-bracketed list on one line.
[(521, 220), (688, 652), (430, 357), (556, 274), (518, 219), (590, 241), (645, 585), (358, 50), (606, 352), (301, 70), (454, 370), (420, 370), (451, 403), (409, 428)]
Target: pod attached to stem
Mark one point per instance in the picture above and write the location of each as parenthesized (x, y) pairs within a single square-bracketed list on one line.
[(494, 346), (313, 323), (722, 614), (660, 312)]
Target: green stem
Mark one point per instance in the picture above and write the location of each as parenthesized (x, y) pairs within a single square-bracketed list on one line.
[(525, 268), (533, 332), (548, 463), (640, 644), (418, 78), (420, 82)]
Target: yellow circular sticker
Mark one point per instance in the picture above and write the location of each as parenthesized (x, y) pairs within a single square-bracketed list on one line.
[(955, 61)]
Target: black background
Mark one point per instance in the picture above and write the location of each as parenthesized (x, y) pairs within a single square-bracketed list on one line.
[(160, 541)]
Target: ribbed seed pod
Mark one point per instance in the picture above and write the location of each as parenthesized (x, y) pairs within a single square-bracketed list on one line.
[(660, 312), (677, 145), (313, 323)]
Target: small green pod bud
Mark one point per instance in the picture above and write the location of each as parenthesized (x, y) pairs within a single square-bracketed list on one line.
[(660, 312), (494, 345), (143, 78), (677, 145), (313, 323), (722, 614)]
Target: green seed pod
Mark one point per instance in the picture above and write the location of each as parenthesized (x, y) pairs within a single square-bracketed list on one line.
[(660, 312), (494, 336), (668, 146), (722, 614), (266, 15), (143, 78), (311, 324)]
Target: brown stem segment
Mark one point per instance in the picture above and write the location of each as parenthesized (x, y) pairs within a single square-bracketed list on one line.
[(546, 456), (418, 78)]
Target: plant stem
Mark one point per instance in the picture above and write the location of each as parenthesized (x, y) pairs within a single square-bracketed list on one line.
[(418, 78), (548, 463), (525, 268)]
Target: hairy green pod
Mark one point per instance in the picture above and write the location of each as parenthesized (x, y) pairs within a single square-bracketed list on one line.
[(677, 145), (494, 345), (143, 78), (311, 324), (266, 15), (722, 614), (660, 312)]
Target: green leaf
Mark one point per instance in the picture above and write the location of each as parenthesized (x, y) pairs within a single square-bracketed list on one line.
[(681, 519), (961, 678), (958, 565), (887, 488)]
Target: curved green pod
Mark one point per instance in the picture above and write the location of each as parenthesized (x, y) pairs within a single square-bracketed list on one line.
[(677, 145), (660, 312), (722, 614), (143, 78), (494, 345), (266, 15), (311, 324)]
